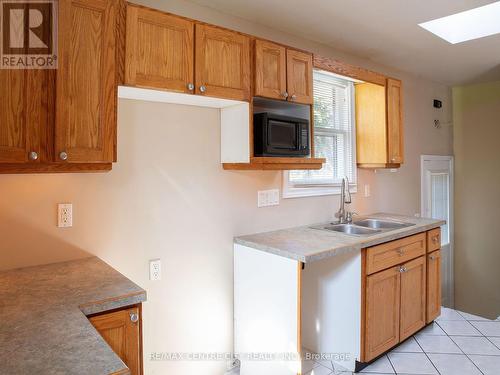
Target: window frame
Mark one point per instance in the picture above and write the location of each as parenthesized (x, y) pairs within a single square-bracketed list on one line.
[(296, 190)]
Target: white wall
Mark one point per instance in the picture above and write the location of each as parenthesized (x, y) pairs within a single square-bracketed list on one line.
[(168, 197)]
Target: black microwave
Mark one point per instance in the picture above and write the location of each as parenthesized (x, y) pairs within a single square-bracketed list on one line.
[(276, 135)]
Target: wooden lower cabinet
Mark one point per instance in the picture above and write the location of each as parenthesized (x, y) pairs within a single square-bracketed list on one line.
[(413, 297), (433, 285), (400, 299), (382, 312), (122, 330)]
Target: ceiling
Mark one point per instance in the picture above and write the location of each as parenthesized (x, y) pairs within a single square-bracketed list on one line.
[(383, 31)]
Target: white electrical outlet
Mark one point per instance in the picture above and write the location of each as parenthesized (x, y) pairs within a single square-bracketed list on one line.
[(268, 198), (64, 215), (155, 269)]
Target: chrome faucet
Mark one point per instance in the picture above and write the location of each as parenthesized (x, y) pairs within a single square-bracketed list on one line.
[(344, 216)]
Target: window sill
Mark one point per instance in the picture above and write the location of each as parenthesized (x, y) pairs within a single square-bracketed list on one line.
[(291, 191)]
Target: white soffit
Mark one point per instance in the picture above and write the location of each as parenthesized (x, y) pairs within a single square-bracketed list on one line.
[(468, 25)]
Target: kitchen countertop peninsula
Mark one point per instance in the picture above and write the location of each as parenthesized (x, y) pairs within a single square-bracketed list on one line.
[(44, 327), (307, 244)]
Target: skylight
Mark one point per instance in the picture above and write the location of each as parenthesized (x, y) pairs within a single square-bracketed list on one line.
[(471, 24)]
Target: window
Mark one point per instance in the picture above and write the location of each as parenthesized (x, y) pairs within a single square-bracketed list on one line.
[(334, 140)]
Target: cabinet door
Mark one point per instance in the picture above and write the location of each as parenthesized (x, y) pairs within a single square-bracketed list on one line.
[(433, 285), (122, 334), (382, 302), (222, 63), (160, 50), (394, 121), (413, 297), (23, 114), (86, 81), (299, 76), (270, 70)]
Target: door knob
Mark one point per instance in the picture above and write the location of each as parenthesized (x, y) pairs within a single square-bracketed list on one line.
[(33, 155), (190, 86), (63, 155), (203, 88), (134, 318)]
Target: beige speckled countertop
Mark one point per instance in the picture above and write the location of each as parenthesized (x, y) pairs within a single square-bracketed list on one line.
[(43, 323), (306, 244)]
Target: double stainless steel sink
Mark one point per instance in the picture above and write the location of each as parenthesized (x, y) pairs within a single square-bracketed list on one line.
[(366, 227)]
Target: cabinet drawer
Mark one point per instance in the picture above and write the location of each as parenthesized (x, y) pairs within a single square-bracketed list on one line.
[(393, 253), (433, 240)]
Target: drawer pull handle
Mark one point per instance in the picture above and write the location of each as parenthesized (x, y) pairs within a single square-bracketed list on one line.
[(401, 252), (435, 239)]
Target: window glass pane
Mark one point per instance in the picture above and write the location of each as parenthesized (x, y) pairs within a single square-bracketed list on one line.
[(334, 133), (440, 202)]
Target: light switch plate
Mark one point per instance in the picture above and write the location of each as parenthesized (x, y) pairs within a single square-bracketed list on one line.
[(268, 198), (64, 215), (155, 269)]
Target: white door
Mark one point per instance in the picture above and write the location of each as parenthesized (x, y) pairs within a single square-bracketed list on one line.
[(437, 203)]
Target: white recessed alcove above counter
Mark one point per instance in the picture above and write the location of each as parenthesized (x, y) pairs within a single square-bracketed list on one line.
[(234, 118)]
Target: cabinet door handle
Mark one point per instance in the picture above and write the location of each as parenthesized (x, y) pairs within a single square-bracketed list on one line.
[(401, 252), (190, 86), (402, 269), (435, 239), (33, 155), (203, 88), (134, 318), (284, 94), (63, 155), (293, 97)]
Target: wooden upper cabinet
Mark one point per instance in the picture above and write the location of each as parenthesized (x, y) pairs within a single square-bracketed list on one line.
[(270, 70), (394, 121), (222, 63), (382, 304), (122, 332), (413, 297), (433, 285), (23, 115), (379, 126), (299, 76), (86, 81), (159, 50)]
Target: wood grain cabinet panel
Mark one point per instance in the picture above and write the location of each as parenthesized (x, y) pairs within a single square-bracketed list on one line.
[(123, 335), (270, 70), (23, 115), (413, 297), (433, 240), (382, 304), (394, 121), (299, 76), (159, 50), (222, 63), (86, 81), (433, 285), (396, 252), (379, 124)]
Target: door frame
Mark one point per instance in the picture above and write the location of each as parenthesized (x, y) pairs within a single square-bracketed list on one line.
[(450, 292)]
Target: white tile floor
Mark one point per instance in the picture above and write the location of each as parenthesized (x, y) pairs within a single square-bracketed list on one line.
[(456, 344)]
